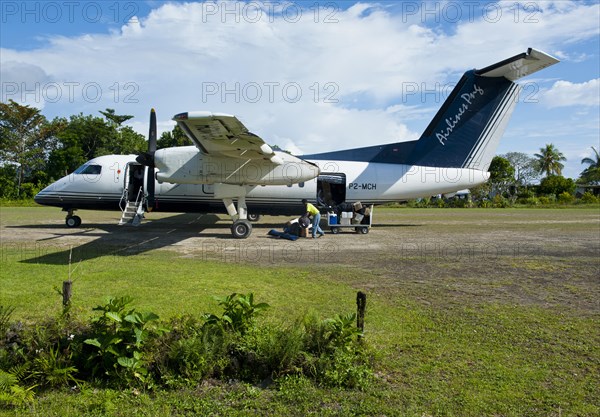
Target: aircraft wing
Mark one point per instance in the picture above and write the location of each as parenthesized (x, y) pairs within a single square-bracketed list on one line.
[(224, 135)]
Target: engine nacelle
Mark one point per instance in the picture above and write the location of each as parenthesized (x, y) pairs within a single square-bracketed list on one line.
[(187, 165)]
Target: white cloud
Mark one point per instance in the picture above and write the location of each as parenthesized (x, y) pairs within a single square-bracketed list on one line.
[(26, 83), (566, 93), (291, 80)]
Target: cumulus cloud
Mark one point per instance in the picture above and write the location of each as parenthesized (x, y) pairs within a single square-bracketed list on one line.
[(311, 79), (566, 93), (26, 84)]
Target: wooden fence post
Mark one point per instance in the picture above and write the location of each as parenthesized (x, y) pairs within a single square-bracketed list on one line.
[(361, 306), (67, 292)]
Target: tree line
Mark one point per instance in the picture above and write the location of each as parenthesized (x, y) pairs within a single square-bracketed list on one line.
[(35, 151), (516, 174)]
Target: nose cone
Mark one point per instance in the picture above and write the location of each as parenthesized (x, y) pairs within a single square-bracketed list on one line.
[(49, 196)]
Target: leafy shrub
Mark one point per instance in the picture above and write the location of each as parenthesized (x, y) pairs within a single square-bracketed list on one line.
[(530, 201), (419, 203), (525, 194), (42, 354), (11, 393), (239, 312), (118, 336), (439, 203), (265, 353), (589, 198), (345, 369), (340, 355), (556, 185), (565, 198), (53, 368), (547, 199), (29, 190), (501, 201), (195, 354), (122, 345), (460, 203)]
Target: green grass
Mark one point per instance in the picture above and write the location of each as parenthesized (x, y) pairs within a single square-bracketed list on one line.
[(454, 335)]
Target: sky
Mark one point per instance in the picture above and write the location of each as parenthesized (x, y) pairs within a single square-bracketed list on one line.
[(308, 76)]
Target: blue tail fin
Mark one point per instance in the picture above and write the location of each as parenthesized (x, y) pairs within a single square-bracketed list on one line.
[(466, 130)]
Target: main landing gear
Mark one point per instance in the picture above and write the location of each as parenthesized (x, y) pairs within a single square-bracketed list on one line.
[(241, 227), (253, 217), (71, 220)]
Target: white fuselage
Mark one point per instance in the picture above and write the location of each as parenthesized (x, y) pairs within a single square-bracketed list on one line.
[(373, 183)]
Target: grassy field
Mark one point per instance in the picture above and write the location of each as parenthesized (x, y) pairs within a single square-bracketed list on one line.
[(471, 312)]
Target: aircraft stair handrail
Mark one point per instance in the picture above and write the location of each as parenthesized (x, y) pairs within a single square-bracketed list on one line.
[(140, 194), (123, 200), (125, 195)]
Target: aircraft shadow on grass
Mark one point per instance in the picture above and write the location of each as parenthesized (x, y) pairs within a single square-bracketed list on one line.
[(113, 240)]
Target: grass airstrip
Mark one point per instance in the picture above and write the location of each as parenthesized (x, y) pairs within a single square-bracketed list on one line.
[(470, 312)]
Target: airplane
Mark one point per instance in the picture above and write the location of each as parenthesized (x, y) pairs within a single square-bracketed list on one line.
[(228, 164)]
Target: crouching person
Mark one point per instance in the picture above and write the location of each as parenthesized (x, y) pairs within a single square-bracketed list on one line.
[(313, 212)]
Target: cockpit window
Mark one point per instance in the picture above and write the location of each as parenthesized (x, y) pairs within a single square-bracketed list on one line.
[(89, 169)]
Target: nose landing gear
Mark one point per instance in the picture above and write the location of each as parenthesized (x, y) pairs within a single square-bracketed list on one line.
[(71, 220)]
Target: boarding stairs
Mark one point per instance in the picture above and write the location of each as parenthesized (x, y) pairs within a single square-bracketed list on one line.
[(133, 212)]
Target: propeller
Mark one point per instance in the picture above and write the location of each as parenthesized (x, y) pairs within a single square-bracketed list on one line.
[(147, 159)]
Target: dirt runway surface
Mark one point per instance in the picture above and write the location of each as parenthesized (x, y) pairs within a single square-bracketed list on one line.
[(547, 257)]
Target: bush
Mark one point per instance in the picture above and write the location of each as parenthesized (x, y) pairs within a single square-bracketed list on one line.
[(525, 194), (556, 184), (117, 341), (419, 203), (240, 312), (123, 346), (530, 201), (501, 201), (547, 199), (459, 203), (29, 190), (589, 198), (566, 198), (200, 354)]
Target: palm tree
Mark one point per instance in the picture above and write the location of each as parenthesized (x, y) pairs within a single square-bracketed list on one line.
[(592, 173), (549, 160)]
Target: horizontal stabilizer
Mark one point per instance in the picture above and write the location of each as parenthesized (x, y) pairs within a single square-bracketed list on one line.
[(519, 66)]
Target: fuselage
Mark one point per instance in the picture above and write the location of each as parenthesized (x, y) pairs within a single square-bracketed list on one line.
[(100, 183)]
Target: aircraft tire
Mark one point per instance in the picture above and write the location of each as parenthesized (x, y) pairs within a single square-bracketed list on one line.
[(253, 217), (241, 229), (73, 221)]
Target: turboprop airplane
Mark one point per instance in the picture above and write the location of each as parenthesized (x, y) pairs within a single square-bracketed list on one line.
[(228, 164)]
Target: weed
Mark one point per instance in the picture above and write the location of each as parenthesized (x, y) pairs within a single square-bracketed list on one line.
[(53, 369), (239, 313), (11, 392), (118, 337)]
